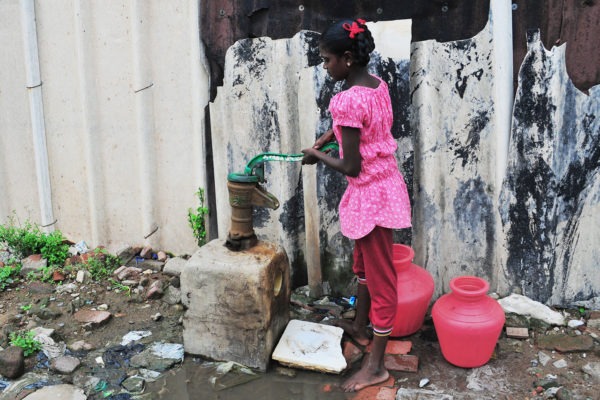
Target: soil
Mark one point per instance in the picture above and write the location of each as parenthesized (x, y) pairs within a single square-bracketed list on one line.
[(514, 371), (128, 313), (509, 375)]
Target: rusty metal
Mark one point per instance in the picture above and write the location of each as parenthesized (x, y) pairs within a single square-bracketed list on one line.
[(243, 196), (559, 21)]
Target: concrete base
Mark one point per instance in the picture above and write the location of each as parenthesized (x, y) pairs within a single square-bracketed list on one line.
[(238, 302)]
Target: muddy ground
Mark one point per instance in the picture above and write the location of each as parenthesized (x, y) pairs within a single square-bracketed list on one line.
[(514, 372)]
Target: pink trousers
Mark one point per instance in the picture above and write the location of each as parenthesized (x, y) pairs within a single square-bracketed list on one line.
[(373, 266)]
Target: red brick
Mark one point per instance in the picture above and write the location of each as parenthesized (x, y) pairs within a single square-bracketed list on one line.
[(386, 393), (351, 353), (402, 362), (374, 392), (96, 318), (35, 257)]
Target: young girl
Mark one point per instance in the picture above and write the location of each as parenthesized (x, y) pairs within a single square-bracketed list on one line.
[(376, 200)]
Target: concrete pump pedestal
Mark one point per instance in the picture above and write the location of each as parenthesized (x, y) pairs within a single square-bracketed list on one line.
[(237, 302)]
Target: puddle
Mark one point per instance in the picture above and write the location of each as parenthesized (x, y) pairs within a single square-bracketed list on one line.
[(192, 382)]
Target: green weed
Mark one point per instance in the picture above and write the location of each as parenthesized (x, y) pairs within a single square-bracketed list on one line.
[(120, 287), (23, 241), (8, 274), (26, 341), (101, 264), (197, 219)]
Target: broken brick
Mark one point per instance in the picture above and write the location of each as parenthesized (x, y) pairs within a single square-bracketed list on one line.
[(351, 353), (376, 392), (517, 333), (401, 362), (94, 318)]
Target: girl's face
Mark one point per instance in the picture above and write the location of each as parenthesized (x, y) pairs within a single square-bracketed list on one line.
[(335, 65)]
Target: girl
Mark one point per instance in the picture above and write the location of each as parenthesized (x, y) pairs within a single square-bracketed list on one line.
[(376, 200)]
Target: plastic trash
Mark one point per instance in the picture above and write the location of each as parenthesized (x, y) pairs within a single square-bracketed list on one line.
[(101, 386), (173, 351), (119, 356), (134, 336), (231, 374), (81, 247)]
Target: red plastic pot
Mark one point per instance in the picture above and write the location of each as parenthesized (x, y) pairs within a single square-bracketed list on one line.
[(415, 288), (468, 322)]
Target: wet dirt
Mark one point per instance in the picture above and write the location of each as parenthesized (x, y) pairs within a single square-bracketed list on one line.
[(129, 313), (510, 374)]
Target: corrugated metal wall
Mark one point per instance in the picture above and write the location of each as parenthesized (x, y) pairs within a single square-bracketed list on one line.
[(123, 91), (473, 213), (108, 139)]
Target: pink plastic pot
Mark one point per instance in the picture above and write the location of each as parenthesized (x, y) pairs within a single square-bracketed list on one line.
[(415, 288), (468, 322)]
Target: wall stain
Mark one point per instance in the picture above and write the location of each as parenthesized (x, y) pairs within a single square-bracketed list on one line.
[(473, 215), (468, 151), (548, 186)]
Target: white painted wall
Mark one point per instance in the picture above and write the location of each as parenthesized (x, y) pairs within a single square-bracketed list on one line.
[(124, 88)]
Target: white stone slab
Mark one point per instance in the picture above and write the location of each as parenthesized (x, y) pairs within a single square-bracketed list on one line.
[(312, 346), (523, 305)]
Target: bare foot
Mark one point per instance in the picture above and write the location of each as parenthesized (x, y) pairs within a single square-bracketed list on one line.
[(366, 376), (358, 335)]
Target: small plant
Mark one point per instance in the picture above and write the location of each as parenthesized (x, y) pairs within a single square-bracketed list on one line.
[(29, 239), (197, 219), (7, 275), (101, 264), (26, 307), (43, 274), (26, 341), (120, 287)]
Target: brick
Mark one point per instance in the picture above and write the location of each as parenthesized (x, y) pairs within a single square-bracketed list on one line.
[(377, 392), (517, 333), (351, 353), (96, 318), (401, 362)]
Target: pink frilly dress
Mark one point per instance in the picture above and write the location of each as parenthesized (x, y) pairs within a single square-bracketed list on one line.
[(378, 195)]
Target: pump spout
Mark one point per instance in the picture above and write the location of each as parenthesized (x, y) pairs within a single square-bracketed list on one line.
[(262, 198), (243, 196)]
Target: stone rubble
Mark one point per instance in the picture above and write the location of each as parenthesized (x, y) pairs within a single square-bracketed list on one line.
[(73, 368), (78, 370)]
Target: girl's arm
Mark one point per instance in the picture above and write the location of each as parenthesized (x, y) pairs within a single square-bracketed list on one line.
[(349, 165)]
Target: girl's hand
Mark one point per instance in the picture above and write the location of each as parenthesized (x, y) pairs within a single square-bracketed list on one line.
[(310, 157), (324, 139)]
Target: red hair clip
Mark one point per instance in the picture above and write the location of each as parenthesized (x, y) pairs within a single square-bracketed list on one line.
[(354, 29)]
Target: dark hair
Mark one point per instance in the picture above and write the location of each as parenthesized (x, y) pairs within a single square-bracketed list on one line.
[(336, 39)]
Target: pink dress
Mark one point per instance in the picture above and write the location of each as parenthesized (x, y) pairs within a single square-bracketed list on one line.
[(378, 195)]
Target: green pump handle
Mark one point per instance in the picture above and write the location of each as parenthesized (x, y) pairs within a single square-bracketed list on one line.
[(255, 169)]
